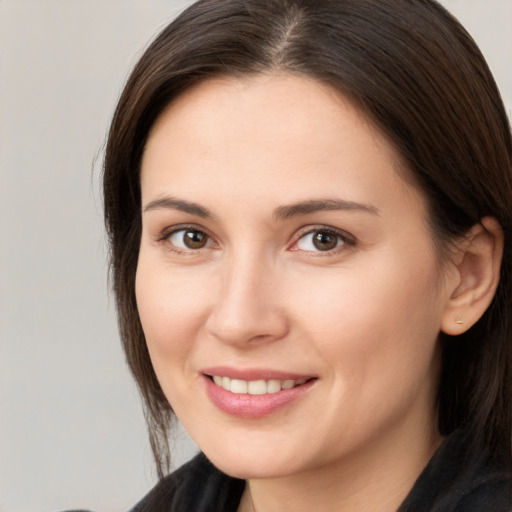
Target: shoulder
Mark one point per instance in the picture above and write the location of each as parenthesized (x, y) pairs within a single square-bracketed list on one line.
[(462, 477), (197, 486)]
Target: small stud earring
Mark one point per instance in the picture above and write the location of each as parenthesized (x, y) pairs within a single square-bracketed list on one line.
[(458, 320)]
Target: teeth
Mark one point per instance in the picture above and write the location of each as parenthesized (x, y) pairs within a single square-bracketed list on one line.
[(255, 387), (238, 386), (273, 386), (288, 384)]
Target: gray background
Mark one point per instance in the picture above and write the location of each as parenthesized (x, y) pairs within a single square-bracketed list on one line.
[(71, 429)]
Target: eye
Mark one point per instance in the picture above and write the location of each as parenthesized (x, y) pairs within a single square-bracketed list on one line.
[(189, 239), (320, 240)]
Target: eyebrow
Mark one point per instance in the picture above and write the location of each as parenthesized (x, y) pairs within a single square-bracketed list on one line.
[(172, 203), (281, 213), (322, 205)]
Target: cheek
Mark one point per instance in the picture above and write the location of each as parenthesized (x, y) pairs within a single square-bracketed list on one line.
[(171, 310), (172, 307), (377, 336), (388, 314)]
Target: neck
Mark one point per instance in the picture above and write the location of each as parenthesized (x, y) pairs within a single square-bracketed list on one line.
[(376, 480)]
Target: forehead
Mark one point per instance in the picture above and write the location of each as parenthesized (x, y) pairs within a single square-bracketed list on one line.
[(262, 101), (280, 128)]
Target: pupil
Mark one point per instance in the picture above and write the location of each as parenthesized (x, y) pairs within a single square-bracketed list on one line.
[(324, 241), (195, 239)]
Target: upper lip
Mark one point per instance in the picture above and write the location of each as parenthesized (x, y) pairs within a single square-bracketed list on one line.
[(250, 374)]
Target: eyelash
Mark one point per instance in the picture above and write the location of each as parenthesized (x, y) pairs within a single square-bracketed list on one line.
[(166, 238), (343, 240)]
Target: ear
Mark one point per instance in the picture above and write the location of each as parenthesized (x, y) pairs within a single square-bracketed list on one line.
[(477, 273)]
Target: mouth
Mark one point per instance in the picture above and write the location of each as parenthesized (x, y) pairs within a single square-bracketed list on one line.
[(256, 387), (260, 394)]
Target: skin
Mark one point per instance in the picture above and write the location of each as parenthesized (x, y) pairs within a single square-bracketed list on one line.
[(362, 317)]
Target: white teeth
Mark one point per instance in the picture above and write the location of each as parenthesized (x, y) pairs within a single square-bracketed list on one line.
[(288, 384), (273, 386), (255, 387), (238, 386)]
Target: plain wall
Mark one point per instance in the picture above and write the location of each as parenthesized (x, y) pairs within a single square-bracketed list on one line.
[(71, 427)]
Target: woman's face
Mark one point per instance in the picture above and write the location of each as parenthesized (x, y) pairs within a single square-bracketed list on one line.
[(287, 283)]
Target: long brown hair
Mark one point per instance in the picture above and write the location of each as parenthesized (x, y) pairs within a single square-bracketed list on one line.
[(418, 75)]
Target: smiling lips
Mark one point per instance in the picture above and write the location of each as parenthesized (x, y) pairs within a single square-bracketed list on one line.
[(254, 397)]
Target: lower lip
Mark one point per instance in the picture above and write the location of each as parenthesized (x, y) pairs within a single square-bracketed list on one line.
[(253, 406)]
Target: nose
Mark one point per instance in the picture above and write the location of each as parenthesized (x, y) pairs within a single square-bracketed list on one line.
[(247, 310)]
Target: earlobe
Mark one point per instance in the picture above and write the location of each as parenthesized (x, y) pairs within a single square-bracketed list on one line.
[(478, 272)]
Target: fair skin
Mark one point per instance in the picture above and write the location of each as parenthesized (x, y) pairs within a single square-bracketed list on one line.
[(280, 242)]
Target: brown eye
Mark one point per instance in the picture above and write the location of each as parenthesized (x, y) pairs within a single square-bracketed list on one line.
[(325, 241), (320, 240), (189, 239)]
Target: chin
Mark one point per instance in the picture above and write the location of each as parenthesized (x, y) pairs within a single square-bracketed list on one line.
[(250, 469), (252, 463)]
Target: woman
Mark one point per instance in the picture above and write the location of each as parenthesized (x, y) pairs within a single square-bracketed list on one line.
[(308, 210)]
